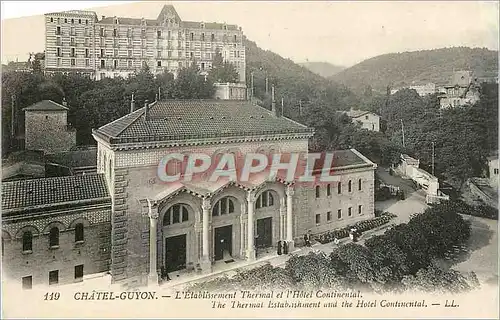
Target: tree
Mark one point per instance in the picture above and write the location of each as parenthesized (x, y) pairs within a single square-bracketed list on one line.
[(191, 85), (222, 71)]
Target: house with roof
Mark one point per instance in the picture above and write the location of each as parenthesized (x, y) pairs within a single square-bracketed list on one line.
[(47, 129), (462, 90), (55, 230), (181, 227), (367, 119)]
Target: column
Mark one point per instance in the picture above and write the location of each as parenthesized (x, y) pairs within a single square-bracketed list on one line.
[(206, 264), (251, 232), (153, 229), (289, 221), (282, 219), (242, 230)]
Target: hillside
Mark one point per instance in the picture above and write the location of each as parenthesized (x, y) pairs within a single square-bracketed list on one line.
[(324, 69), (297, 85), (397, 69)]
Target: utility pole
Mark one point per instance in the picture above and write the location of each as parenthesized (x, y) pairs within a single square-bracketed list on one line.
[(432, 157), (282, 106), (300, 107), (13, 116), (159, 93), (403, 131), (267, 84), (251, 81)]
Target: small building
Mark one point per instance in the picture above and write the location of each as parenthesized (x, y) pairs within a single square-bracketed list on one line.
[(463, 90), (493, 170), (47, 129), (422, 89), (367, 119), (55, 230), (230, 91)]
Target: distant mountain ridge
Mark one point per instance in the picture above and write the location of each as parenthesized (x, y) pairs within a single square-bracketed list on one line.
[(437, 66), (324, 69)]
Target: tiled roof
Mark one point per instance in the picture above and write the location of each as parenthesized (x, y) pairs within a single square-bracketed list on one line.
[(357, 113), (46, 105), (47, 192), (208, 25), (128, 21), (343, 158), (75, 159), (191, 119)]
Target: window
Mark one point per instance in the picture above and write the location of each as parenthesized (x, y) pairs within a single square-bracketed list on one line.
[(266, 199), (339, 214), (79, 235), (158, 33), (79, 272), (115, 33), (72, 41), (27, 241), (54, 237), (317, 191), (318, 218), (349, 186), (339, 187), (59, 52), (495, 171), (72, 20), (176, 214), (80, 21), (72, 52), (366, 117), (169, 54), (235, 38), (51, 19), (115, 64), (349, 211), (192, 36), (103, 64), (359, 184), (212, 37), (72, 31), (87, 62), (328, 190), (27, 282), (158, 54), (101, 32), (203, 66), (73, 62), (58, 30), (102, 53), (329, 216), (223, 206), (86, 22), (203, 37), (53, 277), (65, 20), (159, 63), (359, 209)]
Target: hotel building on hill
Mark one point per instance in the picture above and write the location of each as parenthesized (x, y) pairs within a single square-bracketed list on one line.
[(118, 46)]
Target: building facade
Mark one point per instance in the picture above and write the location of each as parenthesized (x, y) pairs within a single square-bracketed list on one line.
[(118, 46), (175, 227), (422, 90), (230, 91), (368, 120), (462, 90), (61, 235), (47, 129)]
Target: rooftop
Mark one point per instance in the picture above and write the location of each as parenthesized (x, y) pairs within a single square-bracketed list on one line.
[(357, 113), (46, 105), (192, 119), (53, 192)]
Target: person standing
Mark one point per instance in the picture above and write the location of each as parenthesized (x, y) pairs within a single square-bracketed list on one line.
[(307, 238)]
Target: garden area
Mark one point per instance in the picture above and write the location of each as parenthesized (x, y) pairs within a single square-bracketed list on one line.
[(404, 258)]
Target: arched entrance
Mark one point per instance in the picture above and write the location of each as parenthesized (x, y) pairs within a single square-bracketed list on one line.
[(179, 248), (267, 220), (226, 225)]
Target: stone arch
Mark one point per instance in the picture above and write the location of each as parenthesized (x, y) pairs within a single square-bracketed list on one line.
[(83, 221), (235, 192), (192, 202), (34, 231), (278, 188), (6, 235), (229, 202), (52, 224)]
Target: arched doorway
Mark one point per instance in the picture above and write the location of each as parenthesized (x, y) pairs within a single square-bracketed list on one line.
[(267, 206), (225, 219), (178, 238)]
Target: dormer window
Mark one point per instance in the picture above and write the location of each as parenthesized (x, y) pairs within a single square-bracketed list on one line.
[(225, 27), (116, 20), (202, 25)]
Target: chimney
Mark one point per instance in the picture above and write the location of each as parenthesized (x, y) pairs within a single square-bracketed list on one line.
[(132, 104), (273, 102), (146, 110), (64, 102)]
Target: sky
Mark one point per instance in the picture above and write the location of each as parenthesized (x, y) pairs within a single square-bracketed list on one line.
[(342, 33)]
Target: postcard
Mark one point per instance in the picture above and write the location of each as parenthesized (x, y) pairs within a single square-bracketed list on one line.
[(250, 159)]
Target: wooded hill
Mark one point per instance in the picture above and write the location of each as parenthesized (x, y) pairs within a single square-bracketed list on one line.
[(398, 69)]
